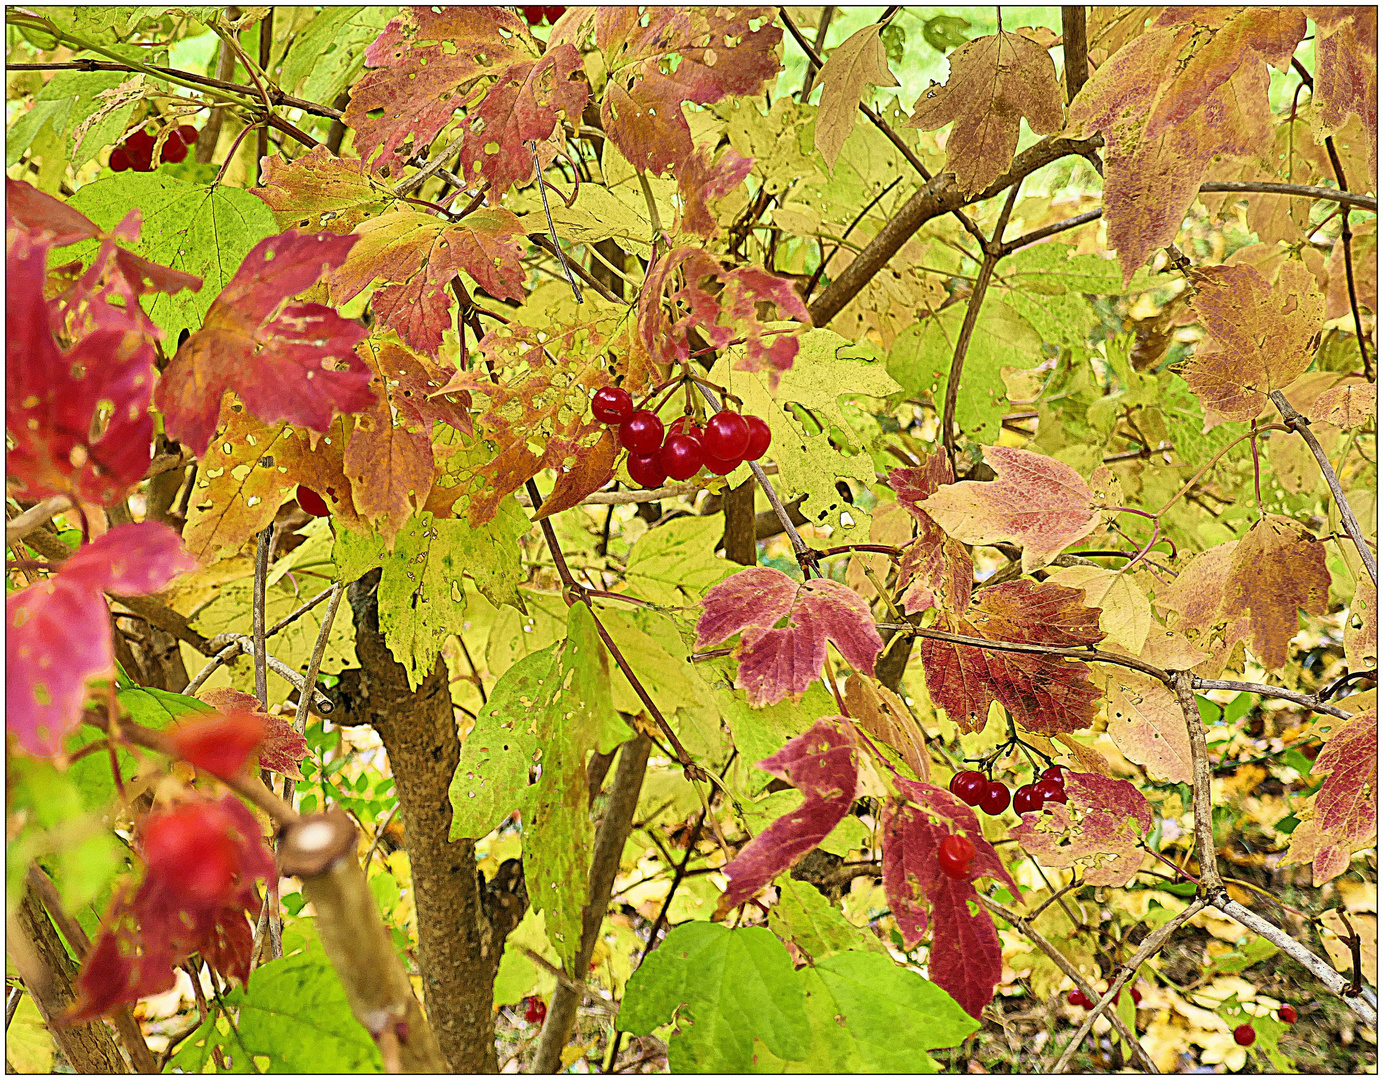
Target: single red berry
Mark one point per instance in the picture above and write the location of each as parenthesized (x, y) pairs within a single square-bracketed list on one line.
[(312, 503), (642, 433), (533, 15), (174, 149), (995, 799), (535, 1010), (554, 13), (759, 438), (727, 436), (686, 425), (1026, 798), (955, 855), (720, 468), (140, 148), (1054, 772), (681, 456), (968, 785), (1136, 995), (612, 405), (1287, 1014), (188, 134), (119, 159), (647, 470), (1078, 998), (1050, 790), (1244, 1034)]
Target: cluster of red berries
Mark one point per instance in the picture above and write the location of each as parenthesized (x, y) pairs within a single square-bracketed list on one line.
[(534, 1010), (1078, 998), (955, 856), (535, 15), (973, 788), (727, 440), (137, 152)]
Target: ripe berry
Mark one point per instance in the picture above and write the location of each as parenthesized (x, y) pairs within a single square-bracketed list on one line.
[(727, 436), (1050, 790), (1244, 1034), (612, 405), (1137, 997), (174, 149), (188, 134), (1026, 798), (969, 786), (312, 503), (1077, 997), (681, 456), (955, 855), (533, 15), (554, 13), (719, 467), (1054, 772), (140, 148), (535, 1010), (1287, 1014), (686, 425), (995, 798), (759, 438), (642, 433), (647, 470)]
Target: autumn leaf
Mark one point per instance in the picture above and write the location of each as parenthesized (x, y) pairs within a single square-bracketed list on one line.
[(282, 749), (291, 362), (857, 63), (995, 80), (1125, 614), (885, 718), (1260, 336), (321, 191), (822, 765), (1343, 816), (1147, 724), (1276, 569), (935, 569), (60, 629), (1347, 69), (1045, 694), (700, 180), (1036, 501), (776, 662), (1100, 828), (220, 745)]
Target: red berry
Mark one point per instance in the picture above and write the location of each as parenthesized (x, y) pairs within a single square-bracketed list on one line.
[(554, 13), (1244, 1034), (533, 15), (968, 786), (1050, 790), (174, 149), (686, 425), (1287, 1014), (995, 798), (312, 503), (140, 148), (119, 159), (727, 436), (1077, 997), (647, 470), (1054, 772), (1026, 798), (1137, 997), (759, 438), (642, 433), (612, 405), (719, 467), (535, 1010), (188, 134), (955, 855), (681, 456)]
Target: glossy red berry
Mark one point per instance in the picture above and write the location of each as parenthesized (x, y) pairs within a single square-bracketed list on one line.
[(1078, 998), (535, 1010), (647, 470), (1244, 1035), (174, 149), (1136, 995), (727, 436), (1287, 1014), (312, 503), (554, 13), (119, 159), (533, 15), (686, 425), (642, 433), (995, 798), (188, 134), (612, 405), (759, 438), (718, 467), (1050, 790), (954, 856), (968, 786), (1054, 772), (1026, 798), (682, 456)]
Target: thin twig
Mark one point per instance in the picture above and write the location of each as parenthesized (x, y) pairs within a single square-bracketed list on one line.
[(266, 540), (551, 228), (571, 984), (1200, 787), (1346, 240), (35, 517), (1309, 701), (235, 644)]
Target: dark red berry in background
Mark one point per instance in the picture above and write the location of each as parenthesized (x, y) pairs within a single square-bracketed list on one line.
[(188, 134), (647, 470), (759, 438), (533, 15), (969, 786), (554, 13), (140, 148), (312, 503), (1049, 790), (682, 456), (1054, 772), (642, 433), (119, 159), (612, 405), (1244, 1035), (1287, 1014), (955, 855), (1136, 995), (1078, 998), (174, 149), (719, 467), (1026, 798), (535, 1010), (727, 436), (995, 798)]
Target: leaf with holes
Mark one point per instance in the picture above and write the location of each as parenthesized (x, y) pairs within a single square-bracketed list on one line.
[(1344, 817), (282, 748), (321, 191), (1100, 828), (700, 180), (1147, 724), (935, 569)]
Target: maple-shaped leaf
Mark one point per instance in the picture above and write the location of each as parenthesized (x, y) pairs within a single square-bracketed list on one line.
[(1045, 694), (1147, 724), (721, 314), (776, 662), (1260, 336), (59, 629), (1036, 501), (1347, 69), (965, 958), (857, 63), (656, 58), (291, 362), (935, 569), (319, 190), (420, 254), (700, 180), (1099, 828), (822, 764), (282, 748), (1342, 816), (220, 745), (995, 80)]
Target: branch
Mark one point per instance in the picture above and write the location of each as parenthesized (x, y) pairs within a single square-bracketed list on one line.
[(241, 643), (1309, 701), (1346, 238), (38, 515), (262, 551), (1263, 187), (1073, 47), (1200, 773)]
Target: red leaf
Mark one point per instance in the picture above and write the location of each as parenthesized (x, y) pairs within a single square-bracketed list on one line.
[(59, 629), (935, 568), (282, 748), (1347, 804), (293, 362), (776, 662), (1046, 694), (821, 764), (1100, 827), (220, 745), (699, 181)]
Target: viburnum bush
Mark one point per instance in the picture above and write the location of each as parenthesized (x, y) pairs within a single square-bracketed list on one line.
[(712, 539)]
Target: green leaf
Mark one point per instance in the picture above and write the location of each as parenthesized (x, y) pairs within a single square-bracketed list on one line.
[(1046, 284), (761, 733), (675, 563), (815, 925), (329, 51), (944, 32), (205, 230), (518, 975), (725, 989)]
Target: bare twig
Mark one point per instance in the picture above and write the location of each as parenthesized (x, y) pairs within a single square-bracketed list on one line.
[(38, 515), (266, 540), (1346, 239), (231, 645), (1309, 701), (1200, 772)]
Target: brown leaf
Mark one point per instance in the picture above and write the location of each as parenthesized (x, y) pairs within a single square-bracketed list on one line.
[(1347, 69), (1277, 568), (886, 719), (1349, 405), (1088, 759), (858, 62)]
